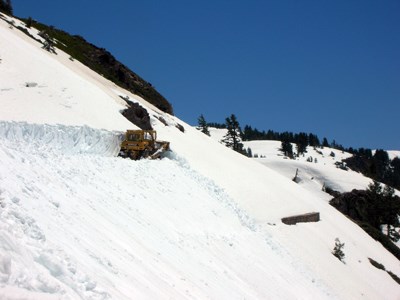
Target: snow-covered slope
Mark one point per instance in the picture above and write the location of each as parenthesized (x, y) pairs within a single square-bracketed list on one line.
[(316, 168), (76, 222)]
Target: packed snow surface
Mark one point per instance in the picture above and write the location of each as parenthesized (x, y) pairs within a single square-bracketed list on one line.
[(77, 222)]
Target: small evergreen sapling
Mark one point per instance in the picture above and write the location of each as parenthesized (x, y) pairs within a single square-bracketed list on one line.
[(338, 250)]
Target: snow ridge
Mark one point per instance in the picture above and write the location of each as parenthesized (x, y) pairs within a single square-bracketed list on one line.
[(42, 138)]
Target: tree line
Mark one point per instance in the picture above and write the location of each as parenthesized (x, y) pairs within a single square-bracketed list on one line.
[(234, 136), (376, 165)]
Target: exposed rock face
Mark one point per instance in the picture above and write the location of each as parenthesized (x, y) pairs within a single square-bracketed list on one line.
[(128, 79), (137, 115)]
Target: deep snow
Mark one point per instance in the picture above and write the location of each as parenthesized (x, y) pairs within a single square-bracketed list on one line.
[(76, 222)]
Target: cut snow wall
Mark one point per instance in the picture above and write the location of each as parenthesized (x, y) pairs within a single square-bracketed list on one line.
[(60, 138)]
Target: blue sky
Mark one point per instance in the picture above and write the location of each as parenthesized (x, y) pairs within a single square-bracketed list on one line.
[(327, 67)]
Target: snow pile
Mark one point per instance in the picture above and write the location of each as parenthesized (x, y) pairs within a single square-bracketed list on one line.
[(76, 222), (41, 139)]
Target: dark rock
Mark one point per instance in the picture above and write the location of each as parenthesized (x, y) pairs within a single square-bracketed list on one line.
[(137, 115), (180, 127)]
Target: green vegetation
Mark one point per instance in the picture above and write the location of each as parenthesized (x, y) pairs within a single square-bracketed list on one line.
[(373, 209), (338, 250), (377, 206), (202, 125), (377, 166), (232, 138), (287, 149)]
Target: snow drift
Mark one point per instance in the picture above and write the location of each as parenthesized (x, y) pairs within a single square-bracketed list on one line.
[(42, 138)]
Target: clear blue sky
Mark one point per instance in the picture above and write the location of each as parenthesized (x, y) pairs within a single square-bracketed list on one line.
[(327, 67)]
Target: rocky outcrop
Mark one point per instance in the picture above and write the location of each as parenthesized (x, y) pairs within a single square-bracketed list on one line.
[(137, 114)]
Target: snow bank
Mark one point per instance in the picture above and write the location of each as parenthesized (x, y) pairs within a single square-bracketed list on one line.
[(41, 139)]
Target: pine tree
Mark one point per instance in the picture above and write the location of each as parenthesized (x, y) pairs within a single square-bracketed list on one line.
[(338, 249), (29, 22), (325, 142), (313, 140), (248, 133), (394, 176), (301, 140), (390, 213), (202, 125), (287, 148), (232, 138), (249, 152), (380, 165), (384, 209)]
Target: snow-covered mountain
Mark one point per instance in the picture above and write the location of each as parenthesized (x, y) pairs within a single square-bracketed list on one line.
[(316, 169), (77, 222)]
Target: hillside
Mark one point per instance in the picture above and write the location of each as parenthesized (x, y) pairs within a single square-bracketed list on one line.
[(97, 59), (77, 222), (317, 168)]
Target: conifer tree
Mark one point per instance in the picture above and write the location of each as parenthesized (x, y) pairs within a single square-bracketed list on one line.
[(384, 209), (202, 125), (287, 148), (301, 142), (29, 22), (338, 249), (232, 138), (325, 142), (390, 213), (249, 152), (313, 140)]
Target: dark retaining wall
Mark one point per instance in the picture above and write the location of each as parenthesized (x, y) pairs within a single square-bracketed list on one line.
[(305, 218)]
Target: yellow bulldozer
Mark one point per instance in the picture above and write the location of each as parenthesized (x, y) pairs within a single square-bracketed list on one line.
[(142, 144)]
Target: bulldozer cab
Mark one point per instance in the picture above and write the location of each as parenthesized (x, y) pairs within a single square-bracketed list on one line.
[(141, 135), (141, 144)]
